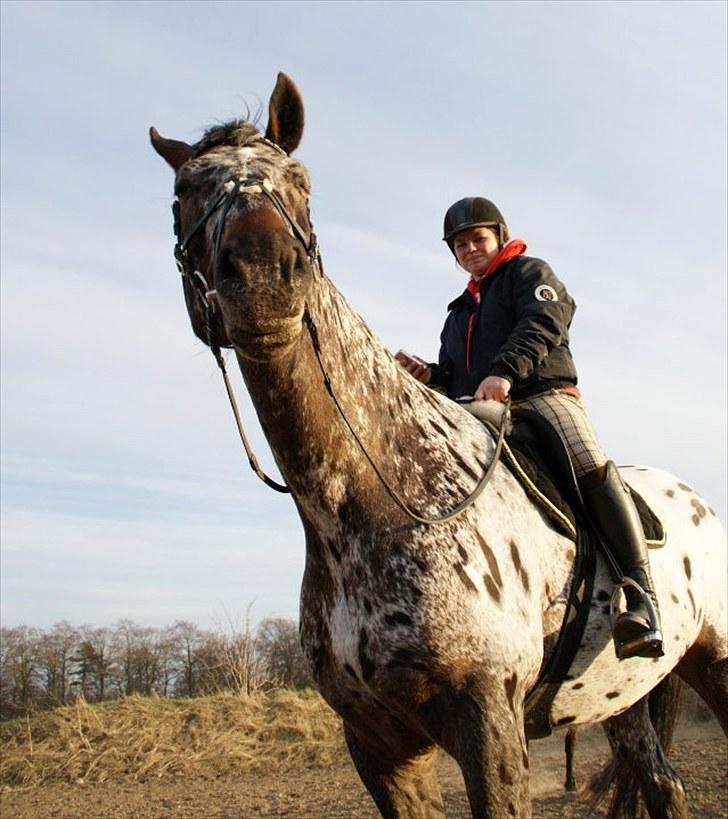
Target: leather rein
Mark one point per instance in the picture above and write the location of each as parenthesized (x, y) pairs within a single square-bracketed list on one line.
[(197, 288)]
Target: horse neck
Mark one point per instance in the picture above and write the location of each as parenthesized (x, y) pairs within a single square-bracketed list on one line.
[(412, 433)]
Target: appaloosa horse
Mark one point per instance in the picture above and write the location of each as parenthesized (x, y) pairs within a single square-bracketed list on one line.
[(419, 635)]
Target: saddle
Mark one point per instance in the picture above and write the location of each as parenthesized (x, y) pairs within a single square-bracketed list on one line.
[(537, 456)]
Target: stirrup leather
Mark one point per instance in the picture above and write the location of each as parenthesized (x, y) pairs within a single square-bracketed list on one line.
[(646, 644)]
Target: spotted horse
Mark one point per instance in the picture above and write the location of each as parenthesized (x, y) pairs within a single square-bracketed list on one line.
[(420, 635)]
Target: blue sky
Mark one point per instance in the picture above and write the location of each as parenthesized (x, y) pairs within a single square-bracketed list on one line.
[(598, 127)]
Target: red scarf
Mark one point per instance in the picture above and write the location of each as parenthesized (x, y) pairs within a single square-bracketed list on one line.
[(515, 247)]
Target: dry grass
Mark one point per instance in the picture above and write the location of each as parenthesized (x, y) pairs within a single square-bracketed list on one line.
[(142, 737)]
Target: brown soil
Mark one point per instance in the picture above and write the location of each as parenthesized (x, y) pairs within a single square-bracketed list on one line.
[(335, 792)]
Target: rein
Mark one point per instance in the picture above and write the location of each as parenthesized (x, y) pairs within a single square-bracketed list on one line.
[(197, 287)]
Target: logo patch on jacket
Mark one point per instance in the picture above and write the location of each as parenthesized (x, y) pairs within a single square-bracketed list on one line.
[(545, 293)]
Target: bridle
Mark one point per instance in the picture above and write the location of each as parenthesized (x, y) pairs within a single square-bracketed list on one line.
[(197, 289)]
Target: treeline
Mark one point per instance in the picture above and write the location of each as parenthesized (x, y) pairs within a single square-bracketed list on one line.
[(45, 668)]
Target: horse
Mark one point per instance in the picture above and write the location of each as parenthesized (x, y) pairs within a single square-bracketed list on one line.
[(434, 586)]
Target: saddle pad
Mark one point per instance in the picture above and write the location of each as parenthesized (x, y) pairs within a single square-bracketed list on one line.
[(538, 480), (654, 530)]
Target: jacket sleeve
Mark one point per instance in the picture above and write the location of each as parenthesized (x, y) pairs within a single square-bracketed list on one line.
[(442, 371), (543, 312)]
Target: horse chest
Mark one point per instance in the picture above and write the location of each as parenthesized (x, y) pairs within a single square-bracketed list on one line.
[(419, 611)]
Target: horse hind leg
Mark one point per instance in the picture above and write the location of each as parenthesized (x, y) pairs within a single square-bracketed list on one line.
[(569, 749), (705, 669), (402, 784), (639, 765)]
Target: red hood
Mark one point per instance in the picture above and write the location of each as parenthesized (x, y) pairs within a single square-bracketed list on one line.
[(515, 247)]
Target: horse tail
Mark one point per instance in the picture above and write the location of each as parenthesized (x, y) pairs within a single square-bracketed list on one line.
[(664, 702)]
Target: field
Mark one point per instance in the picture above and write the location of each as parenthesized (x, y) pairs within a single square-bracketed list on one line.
[(274, 755)]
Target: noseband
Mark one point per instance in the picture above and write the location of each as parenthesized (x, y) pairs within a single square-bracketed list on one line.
[(196, 287)]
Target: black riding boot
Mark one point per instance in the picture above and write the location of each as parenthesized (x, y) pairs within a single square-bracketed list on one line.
[(636, 631)]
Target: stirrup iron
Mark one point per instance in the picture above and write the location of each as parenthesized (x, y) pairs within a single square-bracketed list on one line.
[(649, 642)]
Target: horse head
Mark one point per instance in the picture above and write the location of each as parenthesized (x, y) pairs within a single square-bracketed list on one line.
[(245, 246)]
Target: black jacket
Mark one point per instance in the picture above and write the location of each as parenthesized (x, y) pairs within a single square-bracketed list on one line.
[(520, 332)]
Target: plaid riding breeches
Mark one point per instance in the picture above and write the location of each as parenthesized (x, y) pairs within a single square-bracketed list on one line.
[(568, 416)]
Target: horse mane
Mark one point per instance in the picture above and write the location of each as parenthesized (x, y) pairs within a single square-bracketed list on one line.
[(236, 133)]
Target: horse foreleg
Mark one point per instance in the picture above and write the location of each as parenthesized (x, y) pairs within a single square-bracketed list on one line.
[(402, 784), (490, 747), (639, 759)]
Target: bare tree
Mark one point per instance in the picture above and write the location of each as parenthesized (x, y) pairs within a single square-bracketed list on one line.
[(19, 679), (187, 639), (280, 651), (55, 650)]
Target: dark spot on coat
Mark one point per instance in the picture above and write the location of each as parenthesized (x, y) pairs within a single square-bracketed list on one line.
[(577, 685), (464, 579), (510, 686), (564, 720), (684, 487), (606, 609), (612, 694), (463, 554), (492, 562), (692, 603), (696, 519), (398, 618), (511, 809), (462, 464), (602, 595), (515, 556), (504, 775), (366, 662), (673, 597), (687, 567), (402, 658), (493, 590), (670, 493), (699, 508), (438, 428), (450, 422), (522, 573)]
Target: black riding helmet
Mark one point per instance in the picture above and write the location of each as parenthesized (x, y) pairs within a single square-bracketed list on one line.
[(473, 211)]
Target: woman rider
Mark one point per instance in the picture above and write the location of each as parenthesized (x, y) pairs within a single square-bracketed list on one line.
[(506, 335)]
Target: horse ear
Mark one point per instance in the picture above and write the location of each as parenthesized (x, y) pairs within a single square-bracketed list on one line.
[(285, 115), (176, 153)]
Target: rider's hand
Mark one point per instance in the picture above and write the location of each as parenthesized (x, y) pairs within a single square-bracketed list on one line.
[(493, 388), (415, 366)]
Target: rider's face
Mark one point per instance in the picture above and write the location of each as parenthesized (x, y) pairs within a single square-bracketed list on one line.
[(474, 248)]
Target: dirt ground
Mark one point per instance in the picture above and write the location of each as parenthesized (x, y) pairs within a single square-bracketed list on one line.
[(700, 756)]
